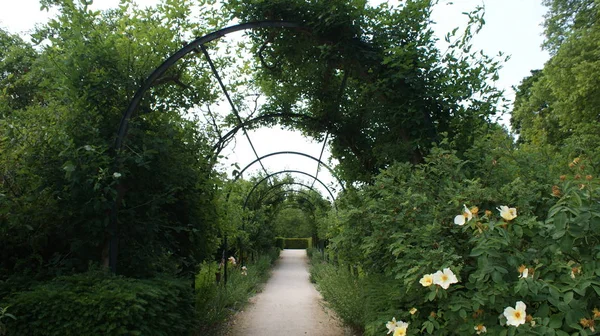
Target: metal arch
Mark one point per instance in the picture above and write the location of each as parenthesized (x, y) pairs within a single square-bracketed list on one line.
[(281, 185), (190, 47), (293, 153), (217, 147), (288, 171), (303, 198), (267, 193), (147, 84)]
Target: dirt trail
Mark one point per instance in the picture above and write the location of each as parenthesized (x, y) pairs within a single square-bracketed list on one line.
[(289, 304)]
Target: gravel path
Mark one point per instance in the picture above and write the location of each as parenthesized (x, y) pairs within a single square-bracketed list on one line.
[(289, 304)]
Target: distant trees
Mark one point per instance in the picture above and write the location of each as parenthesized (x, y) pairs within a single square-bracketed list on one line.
[(560, 104)]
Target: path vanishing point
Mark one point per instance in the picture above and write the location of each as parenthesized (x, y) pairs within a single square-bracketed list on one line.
[(288, 305)]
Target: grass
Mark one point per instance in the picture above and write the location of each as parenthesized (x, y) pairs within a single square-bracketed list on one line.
[(216, 303)]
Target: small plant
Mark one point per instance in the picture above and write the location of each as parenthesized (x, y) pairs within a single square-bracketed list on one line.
[(3, 316)]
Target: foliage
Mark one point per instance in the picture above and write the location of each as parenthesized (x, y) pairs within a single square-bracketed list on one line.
[(95, 303), (294, 223), (564, 17), (216, 301), (558, 105), (390, 235), (372, 78), (59, 111), (296, 243), (4, 315), (342, 291), (280, 242)]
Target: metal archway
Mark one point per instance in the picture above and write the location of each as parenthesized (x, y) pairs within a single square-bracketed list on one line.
[(293, 153), (267, 195), (297, 194), (147, 84), (216, 149), (247, 199), (290, 171), (189, 48)]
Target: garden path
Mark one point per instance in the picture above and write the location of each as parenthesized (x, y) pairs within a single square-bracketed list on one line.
[(289, 304)]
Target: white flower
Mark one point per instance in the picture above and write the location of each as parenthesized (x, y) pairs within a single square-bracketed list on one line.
[(244, 270), (231, 260), (465, 217), (507, 213), (391, 325), (524, 272), (515, 316), (426, 280), (116, 175), (413, 311), (88, 148), (444, 279), (401, 329), (480, 328)]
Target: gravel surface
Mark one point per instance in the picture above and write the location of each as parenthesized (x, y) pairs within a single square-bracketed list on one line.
[(289, 304)]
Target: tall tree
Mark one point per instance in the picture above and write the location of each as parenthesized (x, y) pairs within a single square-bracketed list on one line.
[(567, 16), (559, 104)]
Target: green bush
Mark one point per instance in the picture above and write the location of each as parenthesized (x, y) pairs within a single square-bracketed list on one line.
[(96, 303), (280, 242), (297, 243), (413, 222)]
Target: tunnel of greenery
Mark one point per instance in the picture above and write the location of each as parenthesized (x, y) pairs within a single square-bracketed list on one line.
[(112, 135)]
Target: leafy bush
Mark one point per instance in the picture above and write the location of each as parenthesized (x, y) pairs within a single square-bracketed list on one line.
[(403, 228), (96, 303)]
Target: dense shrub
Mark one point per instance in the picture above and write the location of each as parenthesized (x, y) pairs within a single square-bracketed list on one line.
[(95, 303), (390, 235)]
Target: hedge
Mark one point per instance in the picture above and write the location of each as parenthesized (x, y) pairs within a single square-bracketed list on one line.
[(96, 303), (293, 243)]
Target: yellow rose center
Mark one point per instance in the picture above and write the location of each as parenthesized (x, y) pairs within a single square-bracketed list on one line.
[(517, 314), (444, 277)]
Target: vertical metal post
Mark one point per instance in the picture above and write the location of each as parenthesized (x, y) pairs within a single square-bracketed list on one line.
[(224, 262), (113, 247)]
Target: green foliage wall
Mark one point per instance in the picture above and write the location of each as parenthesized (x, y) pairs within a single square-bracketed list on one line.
[(295, 243)]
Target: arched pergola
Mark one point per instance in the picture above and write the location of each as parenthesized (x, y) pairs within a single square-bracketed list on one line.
[(199, 46)]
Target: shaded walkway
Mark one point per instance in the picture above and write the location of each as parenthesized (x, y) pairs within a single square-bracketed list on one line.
[(289, 304)]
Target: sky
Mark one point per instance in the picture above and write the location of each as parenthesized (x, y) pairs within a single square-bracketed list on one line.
[(512, 27)]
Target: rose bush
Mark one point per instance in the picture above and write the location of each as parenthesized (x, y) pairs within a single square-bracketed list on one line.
[(497, 268)]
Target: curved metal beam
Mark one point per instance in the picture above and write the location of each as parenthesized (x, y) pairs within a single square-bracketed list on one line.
[(283, 172), (139, 94), (291, 116), (190, 47), (302, 197), (280, 192), (293, 153)]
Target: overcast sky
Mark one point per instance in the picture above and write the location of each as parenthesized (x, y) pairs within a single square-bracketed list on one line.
[(512, 26)]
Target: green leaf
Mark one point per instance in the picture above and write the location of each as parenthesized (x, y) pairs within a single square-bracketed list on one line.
[(568, 297), (556, 321)]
